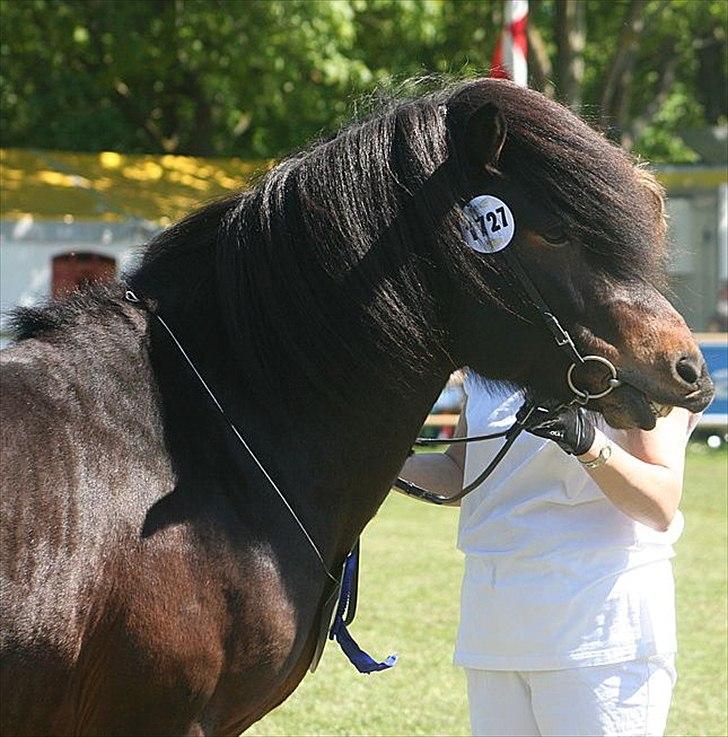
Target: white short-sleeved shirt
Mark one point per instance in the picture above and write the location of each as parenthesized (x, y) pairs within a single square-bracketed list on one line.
[(555, 575)]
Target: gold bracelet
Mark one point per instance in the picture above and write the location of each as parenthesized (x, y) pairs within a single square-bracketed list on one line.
[(604, 455)]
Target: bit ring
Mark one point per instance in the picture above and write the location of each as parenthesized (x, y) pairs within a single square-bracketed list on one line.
[(584, 396)]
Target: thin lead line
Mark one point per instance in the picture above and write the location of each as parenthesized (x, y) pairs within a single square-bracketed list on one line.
[(247, 447)]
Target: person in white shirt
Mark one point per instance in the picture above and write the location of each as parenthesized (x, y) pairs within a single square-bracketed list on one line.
[(567, 620)]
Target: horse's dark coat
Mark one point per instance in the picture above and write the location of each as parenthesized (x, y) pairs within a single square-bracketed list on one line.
[(152, 581)]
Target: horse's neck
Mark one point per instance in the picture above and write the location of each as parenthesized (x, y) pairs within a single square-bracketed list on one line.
[(363, 451), (333, 458), (337, 456)]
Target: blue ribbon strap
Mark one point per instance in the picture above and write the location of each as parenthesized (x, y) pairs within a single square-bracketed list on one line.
[(362, 661)]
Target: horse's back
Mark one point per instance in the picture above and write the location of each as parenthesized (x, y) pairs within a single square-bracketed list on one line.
[(69, 467), (82, 460), (126, 593), (39, 539), (55, 484)]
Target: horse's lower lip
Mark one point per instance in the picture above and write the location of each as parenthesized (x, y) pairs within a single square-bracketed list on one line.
[(658, 409), (694, 401), (632, 405)]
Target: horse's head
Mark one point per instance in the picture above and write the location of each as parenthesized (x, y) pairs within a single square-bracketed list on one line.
[(589, 231)]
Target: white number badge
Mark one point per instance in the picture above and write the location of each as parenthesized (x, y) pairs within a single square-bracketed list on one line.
[(489, 225)]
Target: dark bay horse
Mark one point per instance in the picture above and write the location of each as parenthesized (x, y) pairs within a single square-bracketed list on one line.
[(152, 582)]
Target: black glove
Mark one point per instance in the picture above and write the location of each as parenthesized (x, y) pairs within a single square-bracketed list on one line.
[(569, 427)]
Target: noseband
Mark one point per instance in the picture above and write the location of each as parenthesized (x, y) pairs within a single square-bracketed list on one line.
[(522, 284)]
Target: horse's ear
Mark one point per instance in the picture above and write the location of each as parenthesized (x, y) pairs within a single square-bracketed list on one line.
[(485, 134)]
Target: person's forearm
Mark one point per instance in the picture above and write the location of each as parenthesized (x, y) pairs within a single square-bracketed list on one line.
[(647, 492), (436, 472)]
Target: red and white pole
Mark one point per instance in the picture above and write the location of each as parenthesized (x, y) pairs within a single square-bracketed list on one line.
[(511, 51)]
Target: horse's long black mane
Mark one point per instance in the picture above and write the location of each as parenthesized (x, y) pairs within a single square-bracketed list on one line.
[(332, 256)]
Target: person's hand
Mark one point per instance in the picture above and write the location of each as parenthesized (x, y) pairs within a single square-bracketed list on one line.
[(569, 427)]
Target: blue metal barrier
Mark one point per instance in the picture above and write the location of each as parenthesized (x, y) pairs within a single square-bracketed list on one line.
[(715, 349)]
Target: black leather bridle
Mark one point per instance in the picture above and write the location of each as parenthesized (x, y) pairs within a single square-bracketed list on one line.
[(523, 284)]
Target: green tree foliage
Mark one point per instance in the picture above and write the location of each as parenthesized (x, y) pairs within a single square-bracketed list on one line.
[(652, 69), (257, 78)]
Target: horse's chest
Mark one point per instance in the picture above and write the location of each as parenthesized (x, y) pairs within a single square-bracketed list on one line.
[(255, 626), (262, 620), (191, 638), (182, 597)]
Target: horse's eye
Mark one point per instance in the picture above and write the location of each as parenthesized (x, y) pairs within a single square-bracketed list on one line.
[(555, 237)]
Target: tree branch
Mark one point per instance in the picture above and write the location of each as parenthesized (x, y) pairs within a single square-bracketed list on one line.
[(121, 95), (539, 63), (638, 125), (571, 38), (623, 61), (125, 103)]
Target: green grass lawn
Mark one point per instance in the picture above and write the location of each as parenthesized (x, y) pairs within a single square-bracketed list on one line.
[(408, 602)]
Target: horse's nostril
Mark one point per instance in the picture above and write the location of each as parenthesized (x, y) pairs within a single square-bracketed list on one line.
[(689, 369)]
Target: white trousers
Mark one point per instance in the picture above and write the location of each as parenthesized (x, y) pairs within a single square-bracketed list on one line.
[(630, 699)]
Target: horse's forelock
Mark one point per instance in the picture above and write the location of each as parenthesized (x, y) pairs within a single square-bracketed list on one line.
[(608, 203)]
